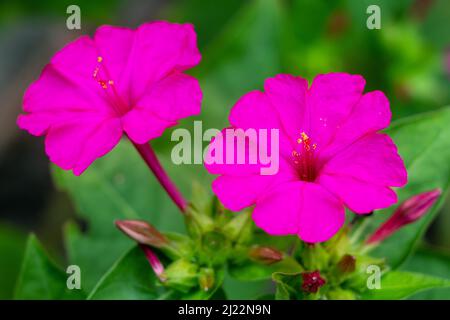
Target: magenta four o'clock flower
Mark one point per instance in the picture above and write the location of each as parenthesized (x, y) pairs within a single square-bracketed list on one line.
[(120, 81), (332, 156)]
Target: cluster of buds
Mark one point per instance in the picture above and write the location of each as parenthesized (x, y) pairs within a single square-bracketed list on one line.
[(337, 269), (196, 262), (216, 237)]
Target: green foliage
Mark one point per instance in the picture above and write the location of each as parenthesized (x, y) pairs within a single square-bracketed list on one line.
[(249, 270), (130, 278), (288, 286), (118, 186), (41, 278), (429, 261), (400, 285), (12, 245), (424, 144)]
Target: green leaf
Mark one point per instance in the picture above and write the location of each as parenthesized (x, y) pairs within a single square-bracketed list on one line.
[(117, 186), (250, 270), (41, 278), (423, 142), (239, 290), (399, 285), (131, 277), (12, 246), (430, 262), (288, 285)]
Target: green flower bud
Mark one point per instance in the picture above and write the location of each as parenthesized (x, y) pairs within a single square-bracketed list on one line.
[(198, 222), (206, 279), (315, 257), (214, 248), (240, 228), (181, 275)]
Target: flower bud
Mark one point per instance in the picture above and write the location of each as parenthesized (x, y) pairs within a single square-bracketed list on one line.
[(408, 212), (211, 244), (155, 263), (239, 228), (206, 279), (142, 232), (198, 223), (181, 275), (312, 281), (265, 255), (315, 256), (347, 264)]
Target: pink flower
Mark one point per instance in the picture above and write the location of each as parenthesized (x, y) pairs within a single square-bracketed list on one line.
[(408, 212), (331, 156), (120, 81)]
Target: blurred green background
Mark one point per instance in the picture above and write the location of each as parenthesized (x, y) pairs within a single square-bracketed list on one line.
[(242, 43)]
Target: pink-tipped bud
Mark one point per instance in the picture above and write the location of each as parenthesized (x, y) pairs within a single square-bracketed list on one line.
[(154, 262), (408, 212), (142, 232), (266, 255)]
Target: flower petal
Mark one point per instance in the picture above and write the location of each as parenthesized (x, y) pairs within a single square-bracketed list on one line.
[(360, 196), (159, 49), (321, 215), (373, 159), (77, 58), (236, 192), (288, 96), (300, 208), (254, 111), (239, 152), (175, 97), (142, 125), (115, 45), (76, 144), (278, 212), (330, 101), (58, 91), (371, 114)]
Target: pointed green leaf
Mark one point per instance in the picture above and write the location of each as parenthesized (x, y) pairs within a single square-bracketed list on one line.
[(130, 278), (288, 285), (399, 285), (250, 270), (431, 262), (40, 278)]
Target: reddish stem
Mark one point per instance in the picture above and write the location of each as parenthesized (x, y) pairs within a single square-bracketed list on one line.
[(149, 156)]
